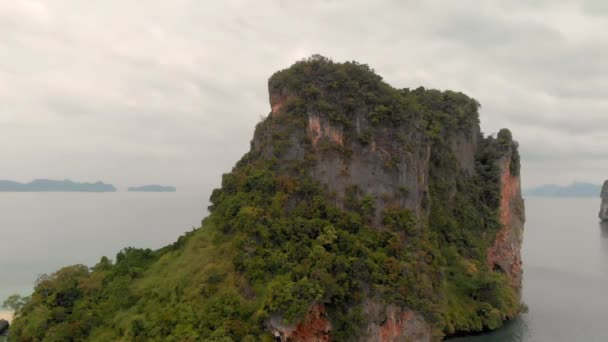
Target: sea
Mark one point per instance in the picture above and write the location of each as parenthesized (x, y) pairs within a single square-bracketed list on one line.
[(565, 251), (41, 232)]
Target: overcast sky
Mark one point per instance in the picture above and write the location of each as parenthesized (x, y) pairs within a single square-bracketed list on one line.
[(135, 92)]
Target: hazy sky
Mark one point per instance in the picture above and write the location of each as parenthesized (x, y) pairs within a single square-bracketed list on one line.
[(133, 92)]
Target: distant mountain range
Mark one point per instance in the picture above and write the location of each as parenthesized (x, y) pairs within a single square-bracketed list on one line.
[(48, 185), (152, 188), (573, 190)]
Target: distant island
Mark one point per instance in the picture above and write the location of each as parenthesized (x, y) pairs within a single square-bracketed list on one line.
[(576, 189), (152, 188), (48, 185)]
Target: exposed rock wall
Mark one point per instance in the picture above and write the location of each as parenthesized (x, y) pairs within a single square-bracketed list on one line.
[(390, 164), (317, 130), (393, 172), (464, 146), (393, 324), (277, 100), (505, 253), (384, 324), (315, 327)]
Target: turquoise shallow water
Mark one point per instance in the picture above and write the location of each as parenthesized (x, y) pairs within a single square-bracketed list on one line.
[(565, 257)]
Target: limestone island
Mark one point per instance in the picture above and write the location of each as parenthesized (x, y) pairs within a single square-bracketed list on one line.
[(48, 185), (362, 212), (152, 188)]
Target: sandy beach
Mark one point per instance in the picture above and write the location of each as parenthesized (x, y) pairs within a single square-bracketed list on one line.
[(7, 315)]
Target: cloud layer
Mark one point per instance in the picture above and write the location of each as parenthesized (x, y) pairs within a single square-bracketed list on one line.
[(136, 92)]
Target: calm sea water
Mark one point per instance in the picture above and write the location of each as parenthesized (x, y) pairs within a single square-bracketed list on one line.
[(565, 250), (41, 232), (565, 257)]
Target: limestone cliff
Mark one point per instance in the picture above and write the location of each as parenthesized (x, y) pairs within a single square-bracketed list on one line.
[(392, 165), (390, 323), (314, 327), (604, 205), (385, 323), (505, 252)]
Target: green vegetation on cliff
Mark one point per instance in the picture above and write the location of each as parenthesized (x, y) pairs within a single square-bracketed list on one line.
[(277, 240)]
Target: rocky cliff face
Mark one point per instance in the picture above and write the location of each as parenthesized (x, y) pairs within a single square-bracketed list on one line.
[(505, 252), (384, 167), (314, 327), (604, 205), (384, 323), (390, 323), (391, 165)]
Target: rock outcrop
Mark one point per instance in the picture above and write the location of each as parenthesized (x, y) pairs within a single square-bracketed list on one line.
[(604, 205), (314, 327), (505, 252), (392, 165), (394, 324), (385, 167), (384, 324)]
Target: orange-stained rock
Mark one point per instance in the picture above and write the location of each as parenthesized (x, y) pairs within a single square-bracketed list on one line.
[(276, 102), (384, 324), (318, 130), (394, 324), (505, 253), (315, 327)]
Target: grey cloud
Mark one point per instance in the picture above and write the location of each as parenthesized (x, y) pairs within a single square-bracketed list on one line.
[(171, 91), (486, 31), (595, 7)]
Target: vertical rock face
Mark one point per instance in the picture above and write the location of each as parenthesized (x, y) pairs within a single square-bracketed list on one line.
[(384, 324), (388, 165), (604, 205), (391, 164), (505, 253), (315, 327), (382, 169), (464, 145), (393, 324)]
